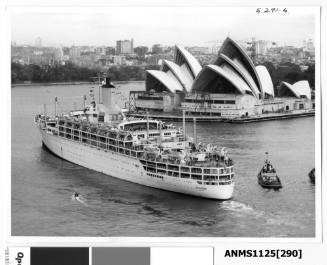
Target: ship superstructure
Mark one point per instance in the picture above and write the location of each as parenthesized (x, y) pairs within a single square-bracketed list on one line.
[(143, 151)]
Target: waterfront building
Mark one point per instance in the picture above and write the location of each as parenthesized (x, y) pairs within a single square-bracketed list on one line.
[(234, 87), (165, 88), (299, 89), (231, 87)]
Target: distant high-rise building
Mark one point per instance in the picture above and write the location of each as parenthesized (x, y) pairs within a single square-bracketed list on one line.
[(157, 49), (310, 45), (65, 51), (38, 42), (141, 50), (110, 51), (59, 54), (304, 43), (251, 48), (100, 50), (261, 47), (74, 52), (124, 47)]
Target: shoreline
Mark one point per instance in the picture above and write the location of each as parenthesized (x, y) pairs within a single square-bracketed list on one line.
[(199, 118), (68, 83)]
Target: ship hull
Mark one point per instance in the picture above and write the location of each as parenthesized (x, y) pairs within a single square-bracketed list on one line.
[(128, 168)]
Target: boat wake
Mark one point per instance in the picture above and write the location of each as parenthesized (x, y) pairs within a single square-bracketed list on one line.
[(146, 208), (269, 218), (236, 206)]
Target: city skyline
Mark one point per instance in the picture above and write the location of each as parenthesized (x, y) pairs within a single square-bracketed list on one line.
[(187, 26)]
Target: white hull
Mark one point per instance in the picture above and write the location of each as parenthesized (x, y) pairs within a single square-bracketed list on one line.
[(128, 168)]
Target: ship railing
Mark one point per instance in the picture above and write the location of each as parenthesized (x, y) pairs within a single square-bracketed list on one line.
[(176, 159), (169, 168), (101, 141), (126, 147), (105, 129), (45, 121), (207, 175)]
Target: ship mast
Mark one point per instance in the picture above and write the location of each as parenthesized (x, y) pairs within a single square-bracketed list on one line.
[(84, 99), (45, 110), (147, 125), (99, 87), (184, 133), (194, 131), (55, 106), (99, 76)]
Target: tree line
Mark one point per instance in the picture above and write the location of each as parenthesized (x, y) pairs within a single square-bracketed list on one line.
[(69, 72), (130, 73), (56, 73), (72, 73), (290, 73)]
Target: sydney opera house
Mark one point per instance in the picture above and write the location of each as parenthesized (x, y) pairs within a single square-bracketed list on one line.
[(230, 87)]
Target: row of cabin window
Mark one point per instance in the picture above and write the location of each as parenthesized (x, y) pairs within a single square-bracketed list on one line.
[(103, 145), (183, 175), (156, 176), (214, 183), (91, 135), (210, 101), (140, 135)]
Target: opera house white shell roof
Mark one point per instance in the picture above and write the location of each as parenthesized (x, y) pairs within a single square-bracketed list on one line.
[(183, 76), (240, 69), (183, 57), (236, 67), (265, 79), (167, 81), (235, 53), (220, 79), (232, 72), (299, 89), (174, 76)]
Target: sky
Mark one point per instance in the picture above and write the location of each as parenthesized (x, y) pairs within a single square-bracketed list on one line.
[(188, 26)]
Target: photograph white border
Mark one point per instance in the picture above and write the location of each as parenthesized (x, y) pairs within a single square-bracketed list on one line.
[(86, 6)]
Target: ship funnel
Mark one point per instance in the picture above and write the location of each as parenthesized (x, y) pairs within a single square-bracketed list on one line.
[(108, 96), (108, 83)]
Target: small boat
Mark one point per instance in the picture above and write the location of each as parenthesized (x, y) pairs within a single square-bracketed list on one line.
[(312, 175), (268, 177)]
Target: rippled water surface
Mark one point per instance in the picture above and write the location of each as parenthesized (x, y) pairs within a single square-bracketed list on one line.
[(42, 184)]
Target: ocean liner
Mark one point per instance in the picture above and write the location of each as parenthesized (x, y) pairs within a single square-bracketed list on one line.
[(144, 151)]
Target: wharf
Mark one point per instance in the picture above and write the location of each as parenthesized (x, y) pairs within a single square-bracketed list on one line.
[(202, 118)]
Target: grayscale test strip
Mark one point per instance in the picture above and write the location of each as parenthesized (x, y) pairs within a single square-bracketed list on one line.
[(106, 255)]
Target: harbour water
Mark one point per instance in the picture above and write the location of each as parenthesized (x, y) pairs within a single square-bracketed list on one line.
[(42, 184)]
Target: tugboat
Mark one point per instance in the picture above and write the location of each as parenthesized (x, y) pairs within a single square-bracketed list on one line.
[(312, 175), (268, 178)]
